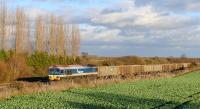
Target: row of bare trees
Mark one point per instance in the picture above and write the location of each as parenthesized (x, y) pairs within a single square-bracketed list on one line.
[(46, 33)]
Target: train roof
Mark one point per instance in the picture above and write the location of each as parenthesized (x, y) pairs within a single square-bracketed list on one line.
[(69, 66)]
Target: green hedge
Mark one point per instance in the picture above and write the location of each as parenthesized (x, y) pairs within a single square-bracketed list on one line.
[(42, 59), (5, 55)]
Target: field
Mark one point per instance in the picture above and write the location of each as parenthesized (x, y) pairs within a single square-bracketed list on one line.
[(180, 92)]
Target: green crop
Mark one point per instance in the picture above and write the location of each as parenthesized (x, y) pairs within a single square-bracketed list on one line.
[(180, 92)]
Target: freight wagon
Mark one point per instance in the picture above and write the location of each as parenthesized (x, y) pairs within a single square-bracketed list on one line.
[(57, 72)]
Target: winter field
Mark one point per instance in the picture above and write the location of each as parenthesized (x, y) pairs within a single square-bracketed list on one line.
[(179, 92)]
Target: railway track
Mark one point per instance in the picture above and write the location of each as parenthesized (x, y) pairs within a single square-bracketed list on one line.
[(45, 79), (187, 71), (4, 85)]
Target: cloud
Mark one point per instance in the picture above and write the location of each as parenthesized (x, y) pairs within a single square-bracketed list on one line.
[(100, 33), (143, 27), (139, 17), (123, 25), (34, 12), (194, 6)]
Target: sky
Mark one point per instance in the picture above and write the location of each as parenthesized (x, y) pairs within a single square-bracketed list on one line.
[(128, 27)]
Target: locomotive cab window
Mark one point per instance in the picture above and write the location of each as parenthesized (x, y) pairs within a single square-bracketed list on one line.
[(54, 71), (61, 71)]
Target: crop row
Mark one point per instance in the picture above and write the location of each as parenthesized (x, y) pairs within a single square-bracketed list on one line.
[(182, 91)]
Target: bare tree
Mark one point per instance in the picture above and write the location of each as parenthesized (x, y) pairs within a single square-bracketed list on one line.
[(75, 41), (52, 40), (78, 40), (20, 30), (3, 24), (40, 33), (67, 45), (46, 34), (61, 36), (51, 35), (29, 46)]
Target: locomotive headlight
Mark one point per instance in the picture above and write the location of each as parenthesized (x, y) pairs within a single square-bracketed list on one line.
[(111, 69), (51, 78)]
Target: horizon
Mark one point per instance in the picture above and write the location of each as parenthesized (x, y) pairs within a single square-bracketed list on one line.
[(129, 27)]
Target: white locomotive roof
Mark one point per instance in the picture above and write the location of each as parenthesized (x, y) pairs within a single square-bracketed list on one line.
[(74, 67)]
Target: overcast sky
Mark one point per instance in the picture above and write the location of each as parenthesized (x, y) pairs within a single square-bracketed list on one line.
[(128, 27)]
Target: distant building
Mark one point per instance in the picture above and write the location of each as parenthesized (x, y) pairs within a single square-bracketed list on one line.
[(84, 54)]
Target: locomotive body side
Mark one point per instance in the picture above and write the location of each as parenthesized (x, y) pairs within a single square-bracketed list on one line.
[(58, 72)]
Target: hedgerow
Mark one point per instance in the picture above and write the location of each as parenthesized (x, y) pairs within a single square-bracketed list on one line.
[(43, 59)]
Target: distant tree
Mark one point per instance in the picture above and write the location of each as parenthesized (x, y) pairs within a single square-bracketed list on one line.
[(84, 54), (183, 56), (3, 24)]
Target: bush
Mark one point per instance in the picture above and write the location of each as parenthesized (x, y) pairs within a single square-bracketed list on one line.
[(18, 67), (43, 60), (4, 73), (13, 68), (38, 60), (77, 60), (4, 55)]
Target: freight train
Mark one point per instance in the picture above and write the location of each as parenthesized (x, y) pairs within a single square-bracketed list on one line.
[(57, 72)]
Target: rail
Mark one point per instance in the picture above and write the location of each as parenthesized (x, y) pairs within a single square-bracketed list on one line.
[(4, 85)]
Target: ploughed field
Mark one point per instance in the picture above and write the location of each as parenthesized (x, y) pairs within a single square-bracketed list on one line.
[(179, 92)]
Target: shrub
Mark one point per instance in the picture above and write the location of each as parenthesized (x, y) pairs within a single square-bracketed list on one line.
[(43, 60), (77, 60), (4, 73), (38, 59), (4, 55), (18, 67)]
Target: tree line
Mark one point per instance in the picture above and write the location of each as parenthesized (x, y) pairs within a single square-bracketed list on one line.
[(48, 33)]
